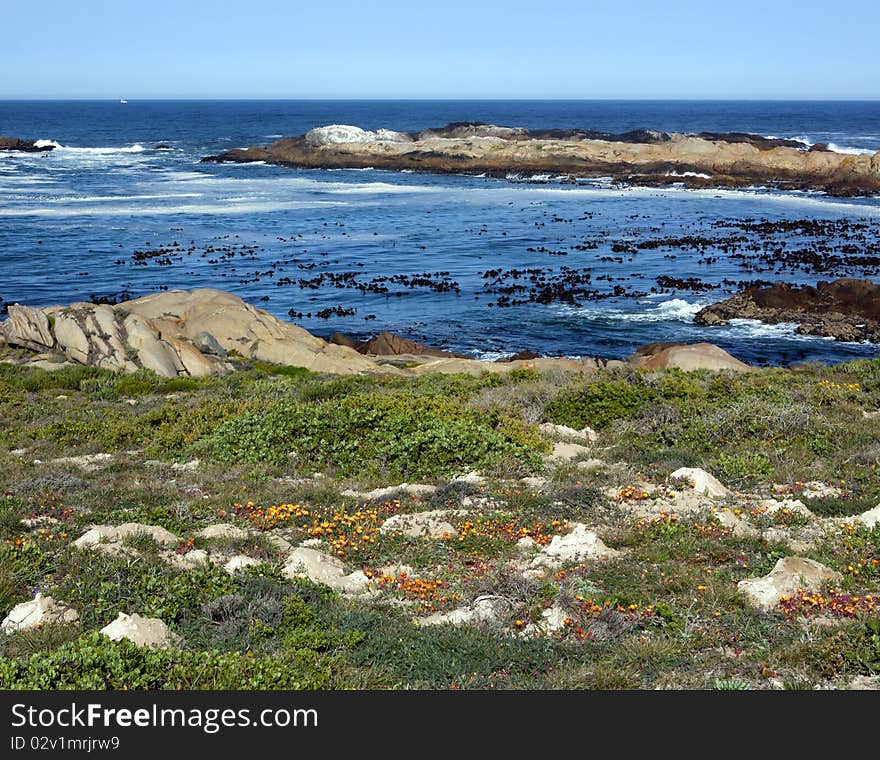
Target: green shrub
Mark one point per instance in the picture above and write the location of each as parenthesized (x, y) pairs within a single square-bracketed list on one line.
[(95, 662), (597, 403), (396, 435)]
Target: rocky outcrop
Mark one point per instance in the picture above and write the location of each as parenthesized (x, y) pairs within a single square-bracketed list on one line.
[(686, 357), (175, 333), (845, 309), (638, 157), (484, 609), (25, 146)]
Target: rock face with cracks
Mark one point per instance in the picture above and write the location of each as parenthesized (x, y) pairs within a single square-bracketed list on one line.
[(163, 333)]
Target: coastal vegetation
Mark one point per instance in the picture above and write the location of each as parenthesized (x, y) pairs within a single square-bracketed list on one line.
[(251, 465)]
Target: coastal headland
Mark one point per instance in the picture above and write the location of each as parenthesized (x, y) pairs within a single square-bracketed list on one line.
[(640, 157)]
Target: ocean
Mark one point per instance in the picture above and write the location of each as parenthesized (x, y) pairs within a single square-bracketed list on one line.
[(478, 265)]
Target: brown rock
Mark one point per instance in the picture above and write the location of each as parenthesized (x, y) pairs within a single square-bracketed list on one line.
[(24, 146), (389, 344), (686, 357), (341, 339), (521, 356), (845, 309)]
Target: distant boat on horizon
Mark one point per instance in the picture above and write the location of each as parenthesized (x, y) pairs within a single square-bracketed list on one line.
[(123, 100)]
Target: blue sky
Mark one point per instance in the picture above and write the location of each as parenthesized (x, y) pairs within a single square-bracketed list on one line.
[(440, 49)]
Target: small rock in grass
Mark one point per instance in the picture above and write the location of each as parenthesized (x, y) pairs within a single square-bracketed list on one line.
[(701, 481), (414, 489), (471, 478), (563, 431), (86, 462), (100, 534), (566, 452), (190, 466), (143, 631), (41, 610), (552, 619), (238, 562), (190, 560), (535, 484), (431, 524), (578, 545), (319, 567), (484, 609), (788, 575), (223, 530), (869, 519)]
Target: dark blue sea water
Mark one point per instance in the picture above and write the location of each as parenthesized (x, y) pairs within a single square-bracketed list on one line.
[(110, 211)]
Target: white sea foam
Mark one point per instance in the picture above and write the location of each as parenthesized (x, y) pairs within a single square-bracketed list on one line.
[(59, 148), (490, 356), (689, 174), (111, 198), (753, 328), (283, 185), (220, 207), (673, 310), (843, 206)]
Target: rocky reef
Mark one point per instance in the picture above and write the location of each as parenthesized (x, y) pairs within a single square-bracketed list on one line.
[(641, 157), (845, 309)]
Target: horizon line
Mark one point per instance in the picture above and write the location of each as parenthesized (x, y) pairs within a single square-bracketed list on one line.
[(451, 99)]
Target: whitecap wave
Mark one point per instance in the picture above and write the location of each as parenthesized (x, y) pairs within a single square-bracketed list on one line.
[(489, 356), (753, 328), (59, 148), (673, 310), (221, 208), (835, 148), (111, 198)]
